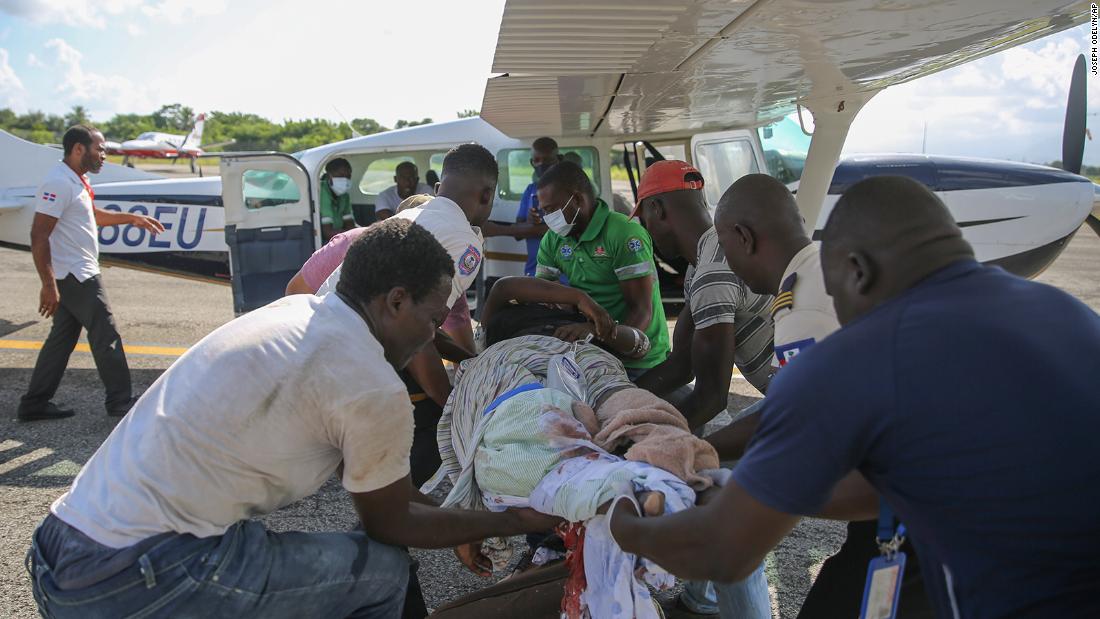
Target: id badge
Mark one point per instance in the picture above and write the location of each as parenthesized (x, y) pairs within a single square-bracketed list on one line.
[(882, 590)]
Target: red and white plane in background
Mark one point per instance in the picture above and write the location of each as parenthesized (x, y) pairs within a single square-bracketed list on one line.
[(157, 145)]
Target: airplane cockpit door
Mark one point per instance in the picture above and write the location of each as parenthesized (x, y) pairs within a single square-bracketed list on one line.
[(722, 158), (268, 225)]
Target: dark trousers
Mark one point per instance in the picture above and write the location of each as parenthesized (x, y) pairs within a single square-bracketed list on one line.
[(83, 305), (838, 590), (424, 459)]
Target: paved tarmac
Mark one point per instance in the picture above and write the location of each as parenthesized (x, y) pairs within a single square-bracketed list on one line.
[(160, 316)]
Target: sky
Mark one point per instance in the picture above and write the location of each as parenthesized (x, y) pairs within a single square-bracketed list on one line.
[(430, 58)]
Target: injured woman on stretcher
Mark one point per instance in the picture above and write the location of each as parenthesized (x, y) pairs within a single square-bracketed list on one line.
[(537, 422)]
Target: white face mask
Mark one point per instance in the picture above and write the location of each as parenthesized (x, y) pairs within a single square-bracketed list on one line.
[(340, 185), (556, 220)]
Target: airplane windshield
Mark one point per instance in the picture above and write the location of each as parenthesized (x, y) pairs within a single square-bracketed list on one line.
[(785, 147)]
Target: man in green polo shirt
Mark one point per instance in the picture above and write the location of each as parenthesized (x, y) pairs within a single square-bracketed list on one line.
[(336, 215), (603, 253)]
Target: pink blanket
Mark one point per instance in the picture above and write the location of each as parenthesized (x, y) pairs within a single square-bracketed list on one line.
[(659, 433)]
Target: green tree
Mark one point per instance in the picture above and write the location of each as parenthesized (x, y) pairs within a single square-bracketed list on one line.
[(174, 117), (401, 124), (368, 126), (124, 127), (468, 113), (77, 116)]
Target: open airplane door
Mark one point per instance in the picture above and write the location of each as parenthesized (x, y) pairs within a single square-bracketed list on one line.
[(268, 225)]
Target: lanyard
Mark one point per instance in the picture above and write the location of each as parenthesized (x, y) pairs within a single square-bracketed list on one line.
[(91, 194), (888, 538), (882, 589)]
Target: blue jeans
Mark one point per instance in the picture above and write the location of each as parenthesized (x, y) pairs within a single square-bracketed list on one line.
[(747, 599), (246, 572)]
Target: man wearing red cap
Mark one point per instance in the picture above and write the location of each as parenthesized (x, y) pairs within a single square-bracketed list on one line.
[(723, 323)]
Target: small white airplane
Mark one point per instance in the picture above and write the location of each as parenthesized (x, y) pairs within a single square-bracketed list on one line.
[(720, 84), (157, 145)]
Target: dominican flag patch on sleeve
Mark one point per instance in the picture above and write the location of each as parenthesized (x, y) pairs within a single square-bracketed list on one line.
[(786, 352), (469, 260), (49, 197)]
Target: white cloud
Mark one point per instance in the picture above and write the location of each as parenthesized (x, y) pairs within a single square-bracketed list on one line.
[(11, 87), (76, 13), (34, 62), (134, 30), (1008, 106), (109, 93), (84, 14), (383, 60), (177, 12)]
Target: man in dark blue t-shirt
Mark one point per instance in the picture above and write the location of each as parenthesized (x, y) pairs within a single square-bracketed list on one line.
[(544, 155), (964, 395)]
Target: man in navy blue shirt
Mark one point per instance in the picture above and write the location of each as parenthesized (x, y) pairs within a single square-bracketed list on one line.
[(544, 155), (965, 396)]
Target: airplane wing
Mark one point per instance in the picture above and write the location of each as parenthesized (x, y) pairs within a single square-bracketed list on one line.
[(650, 67), (218, 144), (12, 204)]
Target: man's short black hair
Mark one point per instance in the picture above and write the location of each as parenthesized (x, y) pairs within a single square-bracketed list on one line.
[(471, 160), (338, 164), (406, 164), (570, 176), (78, 134), (390, 254), (544, 145)]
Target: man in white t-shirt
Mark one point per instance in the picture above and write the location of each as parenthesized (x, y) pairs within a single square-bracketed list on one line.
[(257, 415), (65, 246), (406, 179), (467, 188)]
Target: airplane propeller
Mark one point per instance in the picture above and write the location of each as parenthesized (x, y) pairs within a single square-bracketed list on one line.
[(1073, 135)]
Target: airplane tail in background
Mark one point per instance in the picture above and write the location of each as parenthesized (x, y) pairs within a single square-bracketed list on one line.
[(194, 139)]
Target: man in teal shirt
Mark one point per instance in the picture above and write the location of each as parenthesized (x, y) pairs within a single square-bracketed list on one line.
[(603, 253), (335, 205)]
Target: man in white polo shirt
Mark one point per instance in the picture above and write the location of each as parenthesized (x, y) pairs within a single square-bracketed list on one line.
[(65, 245)]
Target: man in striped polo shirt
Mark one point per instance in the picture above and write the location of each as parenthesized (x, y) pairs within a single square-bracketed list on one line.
[(723, 323)]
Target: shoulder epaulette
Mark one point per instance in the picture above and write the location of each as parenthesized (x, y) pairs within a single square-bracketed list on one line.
[(785, 298)]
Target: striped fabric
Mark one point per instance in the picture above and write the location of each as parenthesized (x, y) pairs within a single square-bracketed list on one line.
[(514, 454), (502, 367), (717, 295)]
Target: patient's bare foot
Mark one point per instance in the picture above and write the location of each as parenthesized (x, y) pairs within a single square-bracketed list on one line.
[(653, 503)]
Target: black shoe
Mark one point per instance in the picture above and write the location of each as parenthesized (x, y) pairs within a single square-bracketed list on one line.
[(47, 412), (120, 410)]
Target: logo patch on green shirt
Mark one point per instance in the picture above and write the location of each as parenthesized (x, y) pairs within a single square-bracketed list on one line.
[(634, 244), (566, 251)]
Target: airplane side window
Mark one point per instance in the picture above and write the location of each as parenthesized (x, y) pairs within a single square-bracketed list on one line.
[(379, 174), (263, 188), (785, 147), (516, 172), (722, 163)]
